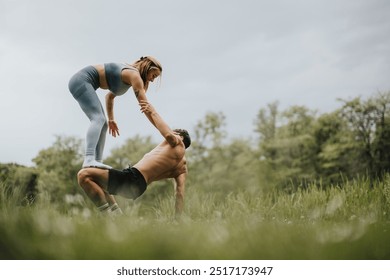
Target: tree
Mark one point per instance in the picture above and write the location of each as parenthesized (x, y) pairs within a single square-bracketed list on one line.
[(19, 182), (58, 166), (381, 144), (361, 118), (216, 165), (335, 149), (287, 149), (208, 133), (266, 122), (266, 126), (130, 152)]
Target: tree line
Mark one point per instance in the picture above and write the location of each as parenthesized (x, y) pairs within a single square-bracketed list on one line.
[(292, 148), (353, 141)]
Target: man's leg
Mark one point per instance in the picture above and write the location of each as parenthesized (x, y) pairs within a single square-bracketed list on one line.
[(94, 183), (114, 207)]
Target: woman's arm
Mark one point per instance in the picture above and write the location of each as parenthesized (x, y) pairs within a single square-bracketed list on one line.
[(134, 79), (112, 125), (140, 94)]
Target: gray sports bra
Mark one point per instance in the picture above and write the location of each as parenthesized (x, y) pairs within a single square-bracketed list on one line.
[(113, 76)]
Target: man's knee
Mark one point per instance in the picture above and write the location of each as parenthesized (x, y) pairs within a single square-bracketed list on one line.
[(83, 176)]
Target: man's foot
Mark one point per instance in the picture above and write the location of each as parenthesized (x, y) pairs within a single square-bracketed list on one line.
[(115, 210), (95, 164)]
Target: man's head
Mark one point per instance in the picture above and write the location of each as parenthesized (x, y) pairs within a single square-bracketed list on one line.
[(186, 137)]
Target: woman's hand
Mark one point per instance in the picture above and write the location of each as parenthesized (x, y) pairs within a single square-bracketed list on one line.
[(146, 107), (113, 128)]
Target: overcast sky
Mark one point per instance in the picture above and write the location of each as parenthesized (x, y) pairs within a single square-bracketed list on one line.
[(226, 56)]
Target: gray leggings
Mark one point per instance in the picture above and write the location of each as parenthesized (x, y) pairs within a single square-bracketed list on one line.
[(83, 87)]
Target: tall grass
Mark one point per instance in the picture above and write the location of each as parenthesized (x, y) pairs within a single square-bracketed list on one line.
[(341, 222)]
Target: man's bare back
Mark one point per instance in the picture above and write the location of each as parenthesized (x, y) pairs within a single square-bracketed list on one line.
[(163, 162)]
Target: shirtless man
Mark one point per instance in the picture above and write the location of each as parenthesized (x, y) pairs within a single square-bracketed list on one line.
[(166, 160)]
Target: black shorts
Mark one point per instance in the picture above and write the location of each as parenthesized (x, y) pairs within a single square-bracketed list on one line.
[(128, 183)]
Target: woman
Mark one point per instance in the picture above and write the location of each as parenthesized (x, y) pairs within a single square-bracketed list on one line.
[(117, 78)]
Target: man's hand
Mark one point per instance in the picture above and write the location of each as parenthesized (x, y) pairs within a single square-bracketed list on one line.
[(113, 128), (159, 123)]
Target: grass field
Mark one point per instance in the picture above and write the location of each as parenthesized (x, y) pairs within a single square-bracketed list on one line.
[(347, 222)]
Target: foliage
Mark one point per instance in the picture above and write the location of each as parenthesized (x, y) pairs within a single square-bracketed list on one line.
[(130, 152), (297, 147), (209, 133), (58, 166), (217, 166), (308, 185), (19, 179), (287, 150)]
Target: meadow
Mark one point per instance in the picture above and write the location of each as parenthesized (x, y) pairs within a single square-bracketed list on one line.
[(345, 222), (307, 187)]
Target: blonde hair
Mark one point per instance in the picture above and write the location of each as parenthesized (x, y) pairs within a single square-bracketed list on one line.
[(144, 65)]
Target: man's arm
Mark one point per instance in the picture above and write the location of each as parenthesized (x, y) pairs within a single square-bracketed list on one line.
[(179, 194), (161, 125)]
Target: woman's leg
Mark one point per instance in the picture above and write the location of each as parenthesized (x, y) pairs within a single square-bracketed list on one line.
[(101, 142), (96, 134)]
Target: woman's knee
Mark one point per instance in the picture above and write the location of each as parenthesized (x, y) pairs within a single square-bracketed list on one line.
[(100, 121), (105, 125)]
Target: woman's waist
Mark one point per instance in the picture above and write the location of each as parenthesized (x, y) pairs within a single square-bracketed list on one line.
[(102, 76)]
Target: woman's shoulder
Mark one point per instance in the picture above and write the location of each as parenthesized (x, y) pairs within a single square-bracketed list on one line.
[(129, 66), (120, 65), (130, 75)]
